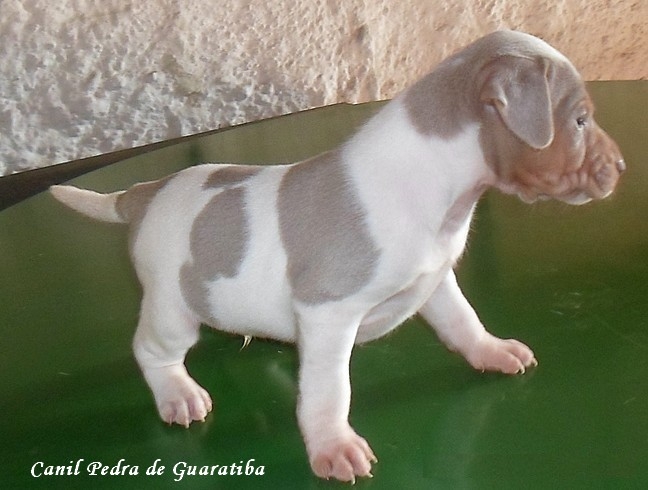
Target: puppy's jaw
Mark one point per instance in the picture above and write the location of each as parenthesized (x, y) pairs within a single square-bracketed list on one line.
[(576, 188)]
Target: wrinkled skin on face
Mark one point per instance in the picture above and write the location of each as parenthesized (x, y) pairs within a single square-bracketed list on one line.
[(579, 163)]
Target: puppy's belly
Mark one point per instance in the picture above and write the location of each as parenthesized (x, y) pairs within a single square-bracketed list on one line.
[(389, 314), (258, 306)]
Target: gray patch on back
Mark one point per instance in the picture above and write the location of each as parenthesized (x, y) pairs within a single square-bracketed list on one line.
[(133, 204), (218, 242), (230, 175), (322, 224)]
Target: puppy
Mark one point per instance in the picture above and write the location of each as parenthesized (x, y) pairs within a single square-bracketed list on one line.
[(340, 249)]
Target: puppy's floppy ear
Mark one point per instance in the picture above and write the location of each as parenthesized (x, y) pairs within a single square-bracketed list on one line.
[(519, 90)]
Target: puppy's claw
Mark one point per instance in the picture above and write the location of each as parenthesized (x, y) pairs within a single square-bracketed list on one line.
[(532, 364), (507, 356), (246, 341)]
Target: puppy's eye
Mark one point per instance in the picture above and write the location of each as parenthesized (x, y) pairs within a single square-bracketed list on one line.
[(581, 122)]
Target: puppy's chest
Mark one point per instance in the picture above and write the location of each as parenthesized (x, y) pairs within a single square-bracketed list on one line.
[(436, 256), (412, 272), (443, 243)]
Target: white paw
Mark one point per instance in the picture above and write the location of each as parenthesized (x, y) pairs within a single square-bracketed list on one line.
[(508, 356), (343, 457), (179, 399)]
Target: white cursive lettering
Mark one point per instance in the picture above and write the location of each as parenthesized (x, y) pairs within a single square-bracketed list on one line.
[(39, 469)]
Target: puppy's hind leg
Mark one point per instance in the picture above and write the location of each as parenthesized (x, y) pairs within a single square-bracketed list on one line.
[(166, 331)]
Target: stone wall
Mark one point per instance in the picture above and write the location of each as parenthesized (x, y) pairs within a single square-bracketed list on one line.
[(83, 77)]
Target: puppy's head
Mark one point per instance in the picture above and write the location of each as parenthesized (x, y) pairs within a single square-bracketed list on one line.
[(538, 130)]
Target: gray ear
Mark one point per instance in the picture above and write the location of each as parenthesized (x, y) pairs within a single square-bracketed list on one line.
[(519, 90)]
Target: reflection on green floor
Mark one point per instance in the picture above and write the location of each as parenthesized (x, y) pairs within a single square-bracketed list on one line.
[(570, 282)]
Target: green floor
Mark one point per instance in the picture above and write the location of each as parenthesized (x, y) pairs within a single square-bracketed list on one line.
[(570, 282)]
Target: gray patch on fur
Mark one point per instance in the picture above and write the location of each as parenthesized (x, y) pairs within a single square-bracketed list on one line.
[(447, 99), (231, 175), (219, 235), (437, 105), (133, 204), (322, 224), (196, 293), (218, 242)]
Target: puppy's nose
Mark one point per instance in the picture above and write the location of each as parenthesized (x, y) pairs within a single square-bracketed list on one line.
[(621, 165)]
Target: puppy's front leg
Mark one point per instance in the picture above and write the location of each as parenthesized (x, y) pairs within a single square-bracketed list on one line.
[(333, 447), (458, 326)]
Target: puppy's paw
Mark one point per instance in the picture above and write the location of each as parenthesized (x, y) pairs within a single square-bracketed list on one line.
[(508, 356), (179, 399), (343, 457), (185, 403)]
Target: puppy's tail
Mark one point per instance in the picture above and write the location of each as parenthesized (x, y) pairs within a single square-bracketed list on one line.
[(102, 207)]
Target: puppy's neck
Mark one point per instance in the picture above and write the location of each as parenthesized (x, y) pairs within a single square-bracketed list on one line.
[(437, 180)]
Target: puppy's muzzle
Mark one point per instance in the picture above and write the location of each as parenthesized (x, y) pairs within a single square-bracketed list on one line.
[(603, 163), (598, 175)]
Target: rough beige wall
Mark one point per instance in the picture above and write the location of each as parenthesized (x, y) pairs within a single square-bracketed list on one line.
[(82, 77)]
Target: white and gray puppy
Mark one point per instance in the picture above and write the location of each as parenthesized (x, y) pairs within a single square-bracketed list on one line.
[(340, 249)]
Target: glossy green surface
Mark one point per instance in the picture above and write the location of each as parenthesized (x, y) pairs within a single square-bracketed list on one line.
[(571, 282)]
